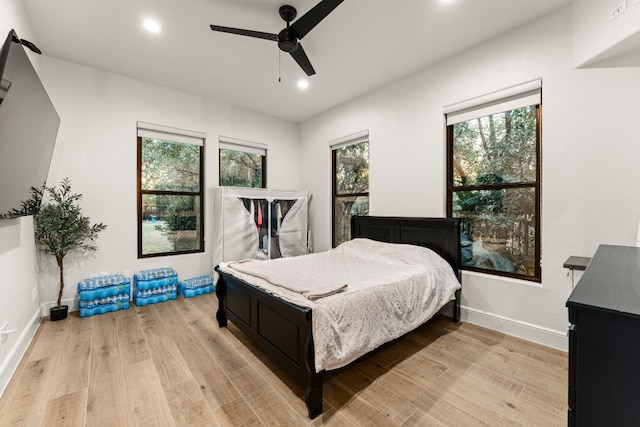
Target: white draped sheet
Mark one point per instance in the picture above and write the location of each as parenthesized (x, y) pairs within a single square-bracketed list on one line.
[(390, 290)]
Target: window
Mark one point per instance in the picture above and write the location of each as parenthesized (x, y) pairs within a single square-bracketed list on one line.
[(170, 191), (493, 181), (242, 163), (350, 160)]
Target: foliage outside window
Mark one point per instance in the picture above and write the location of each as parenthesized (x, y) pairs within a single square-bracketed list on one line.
[(494, 188), (170, 194), (240, 168), (350, 187)]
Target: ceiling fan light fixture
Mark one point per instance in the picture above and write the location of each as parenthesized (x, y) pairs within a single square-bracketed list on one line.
[(303, 84)]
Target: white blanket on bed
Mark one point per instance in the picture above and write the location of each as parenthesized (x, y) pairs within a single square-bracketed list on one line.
[(321, 277), (391, 289)]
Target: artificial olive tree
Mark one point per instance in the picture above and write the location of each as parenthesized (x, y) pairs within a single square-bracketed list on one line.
[(61, 228)]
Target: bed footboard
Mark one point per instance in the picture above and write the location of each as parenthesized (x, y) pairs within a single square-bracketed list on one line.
[(281, 329)]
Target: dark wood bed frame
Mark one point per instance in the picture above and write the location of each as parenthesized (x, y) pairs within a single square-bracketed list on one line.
[(283, 330)]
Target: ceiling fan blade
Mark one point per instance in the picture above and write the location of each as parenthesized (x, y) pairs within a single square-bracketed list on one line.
[(313, 17), (303, 61), (250, 33)]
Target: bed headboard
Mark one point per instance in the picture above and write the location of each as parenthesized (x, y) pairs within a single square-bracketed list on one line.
[(441, 235)]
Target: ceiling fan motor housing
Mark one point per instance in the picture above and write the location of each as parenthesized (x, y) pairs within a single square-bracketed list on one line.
[(287, 41)]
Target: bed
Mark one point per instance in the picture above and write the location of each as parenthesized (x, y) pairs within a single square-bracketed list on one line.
[(283, 329)]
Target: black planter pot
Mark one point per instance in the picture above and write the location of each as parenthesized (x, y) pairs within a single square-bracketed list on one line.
[(58, 313)]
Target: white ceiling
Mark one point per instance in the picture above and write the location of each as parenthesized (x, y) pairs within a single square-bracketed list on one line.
[(361, 45)]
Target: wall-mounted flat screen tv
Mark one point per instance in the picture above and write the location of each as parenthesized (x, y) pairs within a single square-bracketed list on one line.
[(28, 129)]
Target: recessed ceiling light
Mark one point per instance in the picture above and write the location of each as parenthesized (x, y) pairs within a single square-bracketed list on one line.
[(151, 25), (303, 84)]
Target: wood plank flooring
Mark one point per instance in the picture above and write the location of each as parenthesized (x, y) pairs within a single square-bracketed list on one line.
[(170, 364)]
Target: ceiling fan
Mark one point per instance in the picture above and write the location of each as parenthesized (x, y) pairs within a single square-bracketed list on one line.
[(288, 38)]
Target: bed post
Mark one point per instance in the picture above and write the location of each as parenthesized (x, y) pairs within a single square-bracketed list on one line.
[(221, 288), (313, 390), (456, 307)]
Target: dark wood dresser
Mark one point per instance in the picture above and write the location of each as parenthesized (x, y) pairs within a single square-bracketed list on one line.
[(604, 340)]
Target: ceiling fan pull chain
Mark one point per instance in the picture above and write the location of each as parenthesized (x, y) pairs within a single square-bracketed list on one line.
[(279, 66)]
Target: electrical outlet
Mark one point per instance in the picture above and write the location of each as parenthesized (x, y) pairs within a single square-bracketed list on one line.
[(619, 10)]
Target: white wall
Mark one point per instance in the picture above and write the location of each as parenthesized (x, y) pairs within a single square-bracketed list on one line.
[(590, 159), (18, 306), (17, 248), (599, 40), (96, 149)]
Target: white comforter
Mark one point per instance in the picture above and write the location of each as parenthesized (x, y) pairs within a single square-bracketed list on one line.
[(390, 290)]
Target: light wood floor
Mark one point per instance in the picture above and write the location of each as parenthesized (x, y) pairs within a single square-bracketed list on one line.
[(170, 364)]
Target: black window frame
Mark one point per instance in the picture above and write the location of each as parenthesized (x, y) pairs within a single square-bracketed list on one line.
[(334, 186), (264, 168), (536, 186), (141, 192), (242, 146)]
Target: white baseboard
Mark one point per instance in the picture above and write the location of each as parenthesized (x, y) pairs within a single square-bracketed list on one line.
[(524, 330), (12, 359)]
